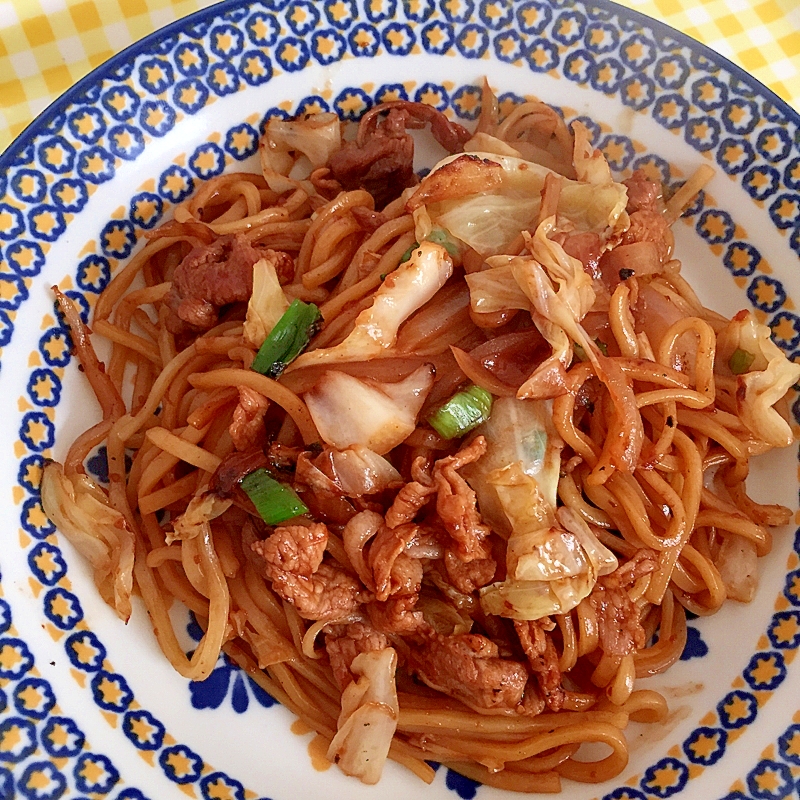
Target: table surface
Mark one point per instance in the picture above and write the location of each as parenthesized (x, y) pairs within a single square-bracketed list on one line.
[(48, 45)]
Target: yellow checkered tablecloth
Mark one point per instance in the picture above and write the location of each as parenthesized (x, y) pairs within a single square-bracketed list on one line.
[(47, 45)]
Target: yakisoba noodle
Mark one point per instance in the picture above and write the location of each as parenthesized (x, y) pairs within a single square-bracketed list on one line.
[(480, 590)]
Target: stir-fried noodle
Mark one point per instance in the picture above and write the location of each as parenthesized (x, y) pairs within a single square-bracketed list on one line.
[(457, 516)]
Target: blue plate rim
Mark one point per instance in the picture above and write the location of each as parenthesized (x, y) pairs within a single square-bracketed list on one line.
[(662, 29)]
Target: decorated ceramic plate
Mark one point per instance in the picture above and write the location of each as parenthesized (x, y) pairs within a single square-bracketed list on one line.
[(89, 707)]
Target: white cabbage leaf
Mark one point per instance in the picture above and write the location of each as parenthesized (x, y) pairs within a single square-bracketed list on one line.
[(494, 289), (552, 557), (405, 290), (358, 470), (553, 313), (550, 570), (483, 142), (767, 379), (574, 284), (368, 718), (307, 142), (443, 617), (80, 509), (557, 291), (737, 562), (199, 513), (350, 411), (590, 164), (518, 433), (267, 304), (485, 200)]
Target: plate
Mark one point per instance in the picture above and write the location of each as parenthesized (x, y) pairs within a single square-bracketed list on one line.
[(89, 708)]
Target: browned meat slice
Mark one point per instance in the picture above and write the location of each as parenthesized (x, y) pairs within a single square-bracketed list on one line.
[(650, 226), (643, 194), (397, 578), (345, 642), (619, 627), (587, 247), (216, 275), (467, 667), (368, 219), (543, 659), (293, 562), (411, 497), (467, 576), (386, 549), (282, 457), (406, 577), (247, 428), (381, 159), (408, 501), (618, 623), (642, 563), (233, 468), (397, 615), (456, 502)]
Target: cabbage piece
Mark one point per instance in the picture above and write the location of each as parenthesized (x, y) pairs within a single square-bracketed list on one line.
[(315, 137), (519, 433), (553, 569), (555, 288), (561, 294), (199, 513), (557, 313), (482, 142), (358, 470), (81, 510), (266, 305), (590, 164), (486, 199), (552, 557), (368, 718), (495, 289), (556, 322), (567, 273), (405, 290), (349, 411), (737, 563), (767, 379), (443, 617)]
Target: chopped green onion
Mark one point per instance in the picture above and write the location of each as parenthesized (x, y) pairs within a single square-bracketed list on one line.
[(290, 336), (407, 255), (580, 353), (274, 501), (462, 412), (740, 361), (437, 236), (442, 237)]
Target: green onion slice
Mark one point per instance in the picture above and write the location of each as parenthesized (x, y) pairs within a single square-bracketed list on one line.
[(462, 412), (443, 237), (437, 236), (290, 336), (740, 361), (407, 255), (582, 355), (274, 501)]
